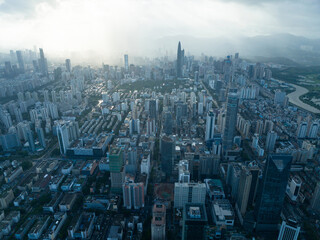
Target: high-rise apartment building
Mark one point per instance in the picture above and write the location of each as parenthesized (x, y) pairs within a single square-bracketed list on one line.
[(271, 141), (210, 123), (20, 61), (68, 65)]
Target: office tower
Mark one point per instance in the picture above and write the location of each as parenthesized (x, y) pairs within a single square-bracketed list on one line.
[(167, 148), (302, 130), (68, 65), (271, 141), (158, 223), (210, 123), (243, 190), (255, 171), (151, 127), (126, 62), (196, 77), (184, 173), (315, 201), (314, 129), (63, 138), (209, 165), (116, 169), (30, 139), (271, 194), (12, 57), (231, 121), (8, 69), (153, 109), (293, 188), (289, 230), (41, 138), (35, 66), (194, 221), (133, 195), (180, 59), (189, 193), (233, 178), (67, 132), (43, 65), (167, 123), (20, 61)]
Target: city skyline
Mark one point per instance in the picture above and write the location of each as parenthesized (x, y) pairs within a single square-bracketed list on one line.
[(76, 29)]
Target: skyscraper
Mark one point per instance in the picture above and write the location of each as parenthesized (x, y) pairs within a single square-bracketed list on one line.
[(30, 138), (289, 230), (167, 123), (63, 138), (315, 201), (210, 126), (271, 141), (231, 120), (272, 192), (20, 61), (180, 58), (153, 109), (158, 224), (194, 221), (189, 193), (126, 62), (243, 190), (167, 154), (43, 63), (41, 137), (68, 65), (116, 169)]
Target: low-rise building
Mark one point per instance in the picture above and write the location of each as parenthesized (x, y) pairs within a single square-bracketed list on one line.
[(82, 227), (222, 212)]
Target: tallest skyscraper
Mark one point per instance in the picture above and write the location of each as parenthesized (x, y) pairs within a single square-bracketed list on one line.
[(180, 57)]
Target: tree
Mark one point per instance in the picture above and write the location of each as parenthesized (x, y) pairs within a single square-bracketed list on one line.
[(26, 164)]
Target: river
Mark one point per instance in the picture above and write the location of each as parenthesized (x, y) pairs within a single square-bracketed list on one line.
[(295, 100)]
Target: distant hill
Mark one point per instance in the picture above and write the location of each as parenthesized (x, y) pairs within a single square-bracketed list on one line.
[(279, 47)]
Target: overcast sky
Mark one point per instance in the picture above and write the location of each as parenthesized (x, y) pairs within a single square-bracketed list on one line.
[(114, 27)]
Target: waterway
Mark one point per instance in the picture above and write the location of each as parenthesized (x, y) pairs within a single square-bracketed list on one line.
[(295, 100)]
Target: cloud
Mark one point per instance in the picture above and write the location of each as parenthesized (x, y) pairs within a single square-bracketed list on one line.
[(24, 8), (111, 27)]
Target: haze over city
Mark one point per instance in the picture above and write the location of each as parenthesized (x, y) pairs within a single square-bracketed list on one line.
[(101, 30), (159, 120)]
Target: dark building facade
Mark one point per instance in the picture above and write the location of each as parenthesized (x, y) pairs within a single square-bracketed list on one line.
[(271, 193), (231, 120), (180, 58), (167, 155)]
